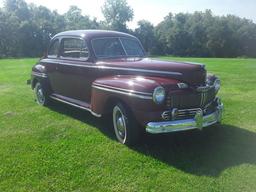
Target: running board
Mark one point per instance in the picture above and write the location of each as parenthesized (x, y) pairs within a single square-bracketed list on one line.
[(75, 105)]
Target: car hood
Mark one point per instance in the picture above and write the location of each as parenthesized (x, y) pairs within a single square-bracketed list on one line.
[(191, 73)]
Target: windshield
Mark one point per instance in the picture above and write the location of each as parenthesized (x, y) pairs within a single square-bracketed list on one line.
[(115, 47)]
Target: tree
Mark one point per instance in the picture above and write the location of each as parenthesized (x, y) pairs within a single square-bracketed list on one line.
[(75, 20), (202, 34), (18, 8), (117, 13), (8, 34), (145, 32), (26, 29), (161, 31)]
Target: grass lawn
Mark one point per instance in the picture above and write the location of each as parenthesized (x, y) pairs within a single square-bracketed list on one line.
[(65, 149)]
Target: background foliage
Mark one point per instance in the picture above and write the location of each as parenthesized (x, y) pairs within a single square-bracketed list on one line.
[(26, 29)]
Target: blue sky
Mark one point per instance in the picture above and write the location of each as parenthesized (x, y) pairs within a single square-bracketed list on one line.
[(156, 10)]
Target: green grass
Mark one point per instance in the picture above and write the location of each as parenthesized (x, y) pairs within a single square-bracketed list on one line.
[(65, 149)]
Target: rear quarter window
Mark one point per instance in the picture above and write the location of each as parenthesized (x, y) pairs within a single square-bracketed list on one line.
[(54, 49)]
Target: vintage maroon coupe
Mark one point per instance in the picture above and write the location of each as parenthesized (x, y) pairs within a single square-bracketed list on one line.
[(107, 72)]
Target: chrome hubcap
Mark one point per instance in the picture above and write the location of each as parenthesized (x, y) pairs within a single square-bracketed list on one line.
[(119, 124), (40, 95)]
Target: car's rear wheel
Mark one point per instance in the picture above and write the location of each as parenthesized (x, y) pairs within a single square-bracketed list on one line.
[(40, 93), (126, 128)]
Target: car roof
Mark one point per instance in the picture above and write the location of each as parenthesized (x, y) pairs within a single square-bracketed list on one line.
[(90, 34)]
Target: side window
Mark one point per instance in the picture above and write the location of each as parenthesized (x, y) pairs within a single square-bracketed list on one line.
[(74, 48), (54, 48)]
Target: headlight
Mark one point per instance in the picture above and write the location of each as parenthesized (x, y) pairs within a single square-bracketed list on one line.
[(159, 95), (216, 85)]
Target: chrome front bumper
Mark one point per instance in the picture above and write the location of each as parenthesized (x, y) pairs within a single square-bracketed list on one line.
[(198, 122)]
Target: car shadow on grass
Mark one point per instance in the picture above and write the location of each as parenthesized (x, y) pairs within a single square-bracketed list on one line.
[(102, 124), (207, 152)]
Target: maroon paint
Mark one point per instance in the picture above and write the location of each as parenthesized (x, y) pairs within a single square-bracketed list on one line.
[(73, 78)]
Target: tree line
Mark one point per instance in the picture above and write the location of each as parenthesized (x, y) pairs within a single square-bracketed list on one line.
[(26, 29)]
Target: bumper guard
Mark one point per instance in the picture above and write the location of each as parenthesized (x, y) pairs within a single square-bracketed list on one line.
[(198, 122)]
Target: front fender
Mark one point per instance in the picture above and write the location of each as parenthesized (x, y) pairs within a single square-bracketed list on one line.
[(135, 91)]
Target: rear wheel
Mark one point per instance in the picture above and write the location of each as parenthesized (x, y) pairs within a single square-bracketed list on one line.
[(40, 93), (125, 126)]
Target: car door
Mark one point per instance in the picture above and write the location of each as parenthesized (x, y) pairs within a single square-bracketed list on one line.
[(51, 64), (74, 70)]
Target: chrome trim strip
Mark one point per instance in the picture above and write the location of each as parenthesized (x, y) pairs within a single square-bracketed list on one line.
[(122, 92), (190, 110), (95, 114), (120, 68), (198, 122), (39, 74), (121, 89), (75, 105), (206, 95), (142, 70), (203, 98)]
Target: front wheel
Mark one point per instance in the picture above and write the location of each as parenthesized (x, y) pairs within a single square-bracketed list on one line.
[(40, 93), (125, 126)]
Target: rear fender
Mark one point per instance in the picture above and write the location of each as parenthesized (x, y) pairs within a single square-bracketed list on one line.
[(39, 74)]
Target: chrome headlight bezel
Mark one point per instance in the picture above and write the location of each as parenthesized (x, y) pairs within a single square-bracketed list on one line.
[(159, 95)]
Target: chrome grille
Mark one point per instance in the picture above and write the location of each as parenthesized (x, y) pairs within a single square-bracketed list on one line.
[(193, 99), (186, 113), (180, 114)]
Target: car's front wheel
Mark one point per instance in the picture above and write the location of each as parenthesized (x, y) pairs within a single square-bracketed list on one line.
[(125, 126), (40, 93)]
